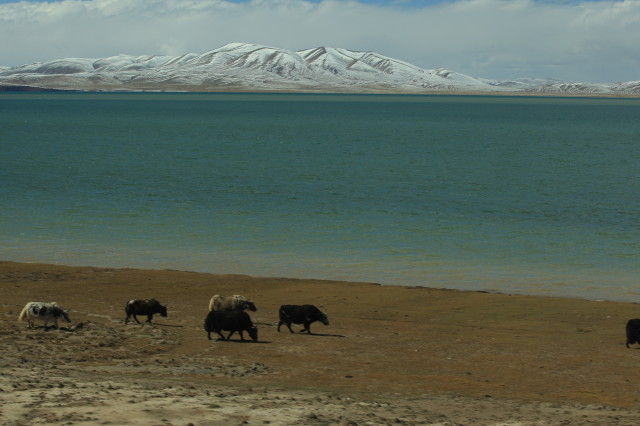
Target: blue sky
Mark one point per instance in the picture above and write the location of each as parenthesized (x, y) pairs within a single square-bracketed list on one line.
[(399, 3), (573, 40), (412, 3)]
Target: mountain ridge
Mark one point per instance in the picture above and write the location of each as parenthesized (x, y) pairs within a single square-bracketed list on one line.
[(253, 67)]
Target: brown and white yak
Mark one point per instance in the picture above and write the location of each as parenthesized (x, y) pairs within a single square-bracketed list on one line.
[(231, 303), (45, 311)]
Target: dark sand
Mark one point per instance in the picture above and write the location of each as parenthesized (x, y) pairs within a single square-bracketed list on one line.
[(391, 355)]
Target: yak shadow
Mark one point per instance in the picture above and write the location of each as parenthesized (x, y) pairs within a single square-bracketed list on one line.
[(220, 339), (146, 324), (52, 327), (168, 325), (327, 335), (304, 333)]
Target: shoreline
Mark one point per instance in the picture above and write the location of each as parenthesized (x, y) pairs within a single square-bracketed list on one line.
[(415, 354), (524, 286), (22, 88)]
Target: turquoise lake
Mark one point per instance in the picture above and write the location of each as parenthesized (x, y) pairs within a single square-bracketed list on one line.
[(527, 195)]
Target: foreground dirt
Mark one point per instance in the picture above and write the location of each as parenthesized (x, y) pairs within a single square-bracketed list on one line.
[(391, 355)]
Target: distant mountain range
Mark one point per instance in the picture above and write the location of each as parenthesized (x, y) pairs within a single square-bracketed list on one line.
[(255, 68)]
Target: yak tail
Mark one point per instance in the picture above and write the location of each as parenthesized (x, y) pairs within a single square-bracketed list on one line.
[(23, 314)]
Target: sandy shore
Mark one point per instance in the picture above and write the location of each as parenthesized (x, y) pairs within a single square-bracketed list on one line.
[(391, 355)]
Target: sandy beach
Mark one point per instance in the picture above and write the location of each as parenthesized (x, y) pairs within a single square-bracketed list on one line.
[(391, 355)]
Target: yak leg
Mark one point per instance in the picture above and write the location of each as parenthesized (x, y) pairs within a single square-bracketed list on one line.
[(126, 320), (209, 335), (229, 336), (149, 318), (288, 324), (307, 327)]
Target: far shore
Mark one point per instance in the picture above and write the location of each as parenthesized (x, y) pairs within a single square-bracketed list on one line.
[(5, 87), (408, 355)]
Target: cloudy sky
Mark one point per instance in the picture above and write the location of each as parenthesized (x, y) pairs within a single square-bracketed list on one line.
[(575, 40)]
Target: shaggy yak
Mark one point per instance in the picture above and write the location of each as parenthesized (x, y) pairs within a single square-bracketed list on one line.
[(231, 303), (633, 331), (46, 311), (147, 307), (301, 314), (232, 321)]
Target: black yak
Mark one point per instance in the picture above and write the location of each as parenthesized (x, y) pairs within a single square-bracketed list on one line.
[(231, 321), (301, 314), (633, 331), (147, 307)]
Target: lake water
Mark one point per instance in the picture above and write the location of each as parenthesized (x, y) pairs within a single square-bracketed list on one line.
[(512, 194)]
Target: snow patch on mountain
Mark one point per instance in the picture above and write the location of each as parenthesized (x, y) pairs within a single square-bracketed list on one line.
[(252, 67)]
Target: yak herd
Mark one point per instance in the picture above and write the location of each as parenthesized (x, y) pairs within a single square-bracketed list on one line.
[(226, 313)]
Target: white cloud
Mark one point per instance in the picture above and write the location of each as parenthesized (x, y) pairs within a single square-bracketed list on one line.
[(579, 41)]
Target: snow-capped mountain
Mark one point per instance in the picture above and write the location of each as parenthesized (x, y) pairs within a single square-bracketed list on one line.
[(250, 67)]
